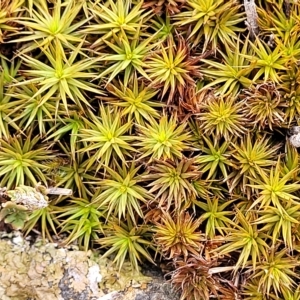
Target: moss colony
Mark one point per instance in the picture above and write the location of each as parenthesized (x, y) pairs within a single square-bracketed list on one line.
[(168, 120)]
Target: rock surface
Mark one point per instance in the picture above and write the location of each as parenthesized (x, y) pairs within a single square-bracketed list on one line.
[(47, 272)]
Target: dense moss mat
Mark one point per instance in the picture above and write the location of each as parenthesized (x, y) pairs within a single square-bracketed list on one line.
[(168, 119)]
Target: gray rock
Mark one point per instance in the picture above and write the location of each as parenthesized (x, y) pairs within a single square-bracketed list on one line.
[(294, 136), (47, 272)]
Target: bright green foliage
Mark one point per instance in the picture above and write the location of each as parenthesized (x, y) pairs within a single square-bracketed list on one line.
[(280, 222), (247, 239), (121, 192), (206, 188), (63, 77), (269, 62), (47, 27), (178, 235), (71, 172), (6, 108), (114, 17), (276, 21), (166, 139), (8, 73), (70, 125), (21, 161), (47, 220), (215, 157), (196, 133), (127, 56), (252, 159), (291, 161), (135, 101), (251, 291), (291, 295), (293, 104), (31, 108), (164, 27), (106, 138), (171, 125), (291, 93), (215, 215), (291, 50), (277, 273), (213, 20), (9, 70), (172, 182), (127, 241), (83, 222), (276, 189), (232, 73), (223, 117)]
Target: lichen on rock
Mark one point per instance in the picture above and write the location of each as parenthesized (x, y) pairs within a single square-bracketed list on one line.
[(44, 271)]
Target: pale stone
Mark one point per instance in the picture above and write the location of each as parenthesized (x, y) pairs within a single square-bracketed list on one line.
[(45, 272), (94, 277), (295, 140), (18, 240)]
